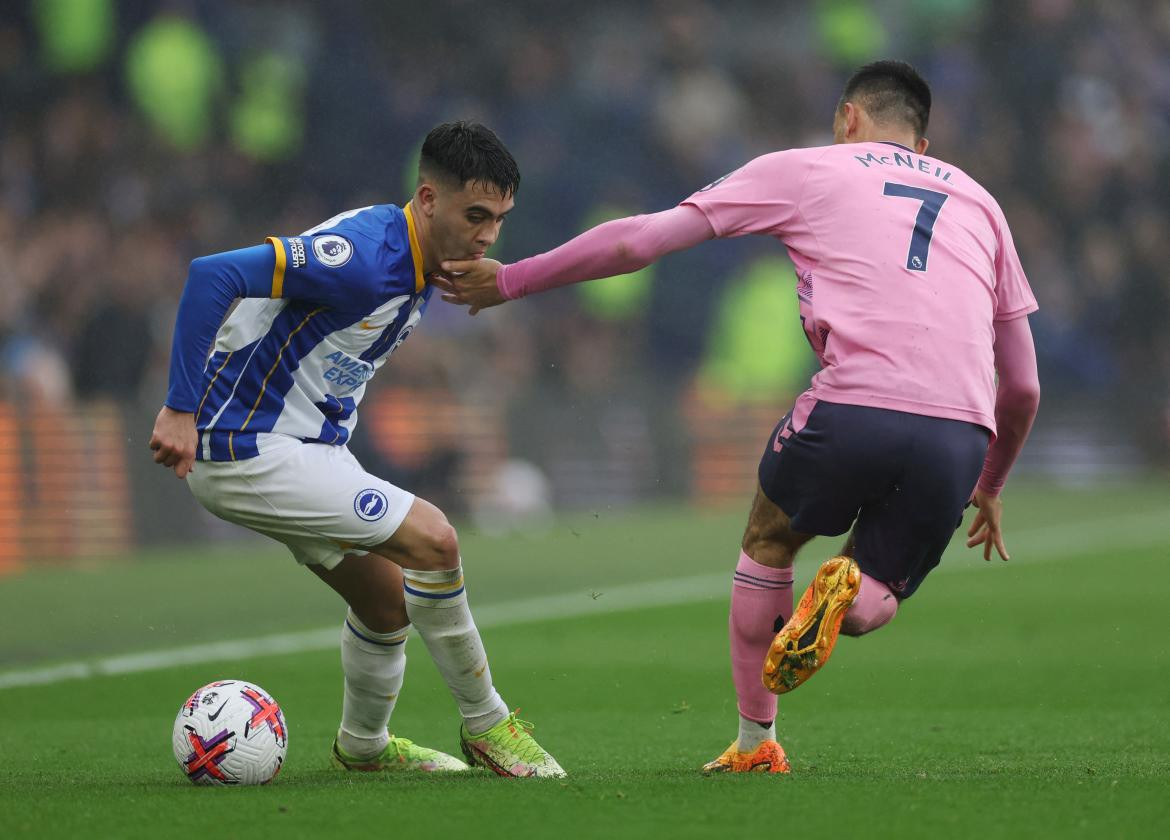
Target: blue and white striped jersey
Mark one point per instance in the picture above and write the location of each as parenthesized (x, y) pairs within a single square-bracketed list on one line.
[(344, 295)]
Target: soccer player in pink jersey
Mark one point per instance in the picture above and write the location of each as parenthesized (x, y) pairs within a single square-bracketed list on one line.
[(913, 298)]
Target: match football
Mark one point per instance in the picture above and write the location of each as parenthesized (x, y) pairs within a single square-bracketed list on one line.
[(230, 733)]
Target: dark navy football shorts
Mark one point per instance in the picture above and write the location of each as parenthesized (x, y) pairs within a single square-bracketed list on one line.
[(903, 478)]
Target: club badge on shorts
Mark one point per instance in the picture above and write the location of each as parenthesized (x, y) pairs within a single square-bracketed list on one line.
[(370, 505)]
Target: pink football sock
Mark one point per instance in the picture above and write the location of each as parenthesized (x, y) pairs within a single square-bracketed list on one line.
[(759, 594), (873, 607)]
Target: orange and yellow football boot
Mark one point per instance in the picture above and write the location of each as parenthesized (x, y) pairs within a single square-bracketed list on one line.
[(768, 757), (804, 644)]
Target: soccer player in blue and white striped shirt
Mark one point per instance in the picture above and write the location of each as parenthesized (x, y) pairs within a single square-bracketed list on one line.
[(260, 409)]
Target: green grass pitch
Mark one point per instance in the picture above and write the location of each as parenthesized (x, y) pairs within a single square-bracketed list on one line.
[(1027, 699)]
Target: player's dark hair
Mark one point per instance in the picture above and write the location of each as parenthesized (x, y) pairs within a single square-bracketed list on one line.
[(890, 91), (459, 152)]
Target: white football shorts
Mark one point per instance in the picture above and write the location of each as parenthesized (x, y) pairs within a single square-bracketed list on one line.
[(314, 498)]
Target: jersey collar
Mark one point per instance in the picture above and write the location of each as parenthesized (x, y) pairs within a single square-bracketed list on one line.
[(899, 145), (415, 250)]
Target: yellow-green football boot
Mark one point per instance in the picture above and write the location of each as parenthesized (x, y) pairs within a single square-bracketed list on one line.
[(508, 749), (399, 755)]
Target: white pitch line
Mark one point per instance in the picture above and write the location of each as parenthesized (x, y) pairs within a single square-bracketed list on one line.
[(629, 596), (1125, 532)]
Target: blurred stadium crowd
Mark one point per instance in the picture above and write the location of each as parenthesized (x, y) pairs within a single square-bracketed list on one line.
[(135, 136)]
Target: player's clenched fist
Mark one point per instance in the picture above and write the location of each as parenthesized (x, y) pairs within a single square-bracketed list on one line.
[(174, 439)]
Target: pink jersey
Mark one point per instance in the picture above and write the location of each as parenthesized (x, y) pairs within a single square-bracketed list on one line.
[(903, 263)]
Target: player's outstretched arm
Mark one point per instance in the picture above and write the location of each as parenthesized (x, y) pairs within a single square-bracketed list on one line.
[(213, 284), (1017, 398), (617, 247)]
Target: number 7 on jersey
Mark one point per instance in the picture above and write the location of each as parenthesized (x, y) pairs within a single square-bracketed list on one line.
[(932, 202)]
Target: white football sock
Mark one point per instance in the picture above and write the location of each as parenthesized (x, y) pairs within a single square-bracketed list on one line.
[(752, 734), (436, 602), (374, 665)]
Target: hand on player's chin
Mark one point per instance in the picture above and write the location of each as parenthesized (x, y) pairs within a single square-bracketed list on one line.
[(471, 283), (473, 271)]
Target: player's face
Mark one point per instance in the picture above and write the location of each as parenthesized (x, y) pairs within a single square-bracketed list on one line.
[(467, 222)]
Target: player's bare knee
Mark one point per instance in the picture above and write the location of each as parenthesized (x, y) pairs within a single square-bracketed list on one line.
[(768, 538), (443, 546), (426, 541), (433, 547)]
